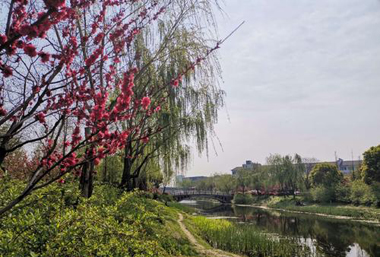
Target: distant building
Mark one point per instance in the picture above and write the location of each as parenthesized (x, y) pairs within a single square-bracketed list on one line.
[(195, 179), (345, 167), (248, 165), (179, 179)]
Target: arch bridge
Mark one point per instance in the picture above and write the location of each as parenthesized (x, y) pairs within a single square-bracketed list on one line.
[(180, 195)]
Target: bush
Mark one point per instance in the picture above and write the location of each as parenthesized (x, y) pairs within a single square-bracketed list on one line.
[(165, 198), (55, 221), (343, 193), (240, 198), (376, 191), (307, 196), (361, 193), (322, 194)]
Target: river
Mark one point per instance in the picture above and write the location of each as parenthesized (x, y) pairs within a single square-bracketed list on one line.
[(326, 237)]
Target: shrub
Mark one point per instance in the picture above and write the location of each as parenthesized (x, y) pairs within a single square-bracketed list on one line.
[(361, 193), (376, 191), (322, 194), (55, 221), (343, 193), (164, 198), (307, 196), (240, 198)]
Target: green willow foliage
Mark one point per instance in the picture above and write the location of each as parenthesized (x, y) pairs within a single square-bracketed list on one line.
[(191, 110), (55, 222), (243, 198)]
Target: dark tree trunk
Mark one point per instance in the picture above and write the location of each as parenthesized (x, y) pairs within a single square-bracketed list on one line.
[(86, 179), (127, 176), (105, 171), (143, 184), (3, 153), (134, 183)]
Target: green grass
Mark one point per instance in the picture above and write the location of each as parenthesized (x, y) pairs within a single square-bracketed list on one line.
[(55, 221), (244, 239), (357, 212)]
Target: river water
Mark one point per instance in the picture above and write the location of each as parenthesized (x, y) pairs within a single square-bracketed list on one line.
[(326, 236)]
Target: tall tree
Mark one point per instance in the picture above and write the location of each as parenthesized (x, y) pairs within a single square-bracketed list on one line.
[(325, 174), (287, 172), (225, 183), (370, 169), (192, 105), (244, 179), (309, 164)]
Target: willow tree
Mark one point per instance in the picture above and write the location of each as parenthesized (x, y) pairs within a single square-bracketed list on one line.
[(187, 107), (286, 171)]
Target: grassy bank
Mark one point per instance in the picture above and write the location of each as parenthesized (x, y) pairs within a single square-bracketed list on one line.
[(56, 222), (356, 212), (243, 238)]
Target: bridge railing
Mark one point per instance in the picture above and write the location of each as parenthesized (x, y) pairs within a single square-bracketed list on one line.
[(197, 192)]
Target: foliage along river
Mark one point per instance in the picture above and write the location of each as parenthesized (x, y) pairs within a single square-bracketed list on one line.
[(327, 237)]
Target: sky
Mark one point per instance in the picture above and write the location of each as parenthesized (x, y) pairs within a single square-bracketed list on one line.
[(301, 77)]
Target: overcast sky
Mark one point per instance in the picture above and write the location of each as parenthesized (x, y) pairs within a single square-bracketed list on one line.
[(301, 77)]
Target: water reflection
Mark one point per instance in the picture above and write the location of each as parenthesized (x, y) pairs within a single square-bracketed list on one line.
[(327, 237)]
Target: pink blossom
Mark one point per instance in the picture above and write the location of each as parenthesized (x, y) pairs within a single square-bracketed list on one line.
[(3, 39), (3, 112), (145, 102), (6, 70), (25, 30), (44, 56), (98, 38), (54, 3), (41, 117), (175, 83), (30, 50), (145, 140), (36, 89)]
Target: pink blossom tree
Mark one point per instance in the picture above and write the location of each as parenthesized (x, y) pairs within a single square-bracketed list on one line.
[(68, 64), (59, 61)]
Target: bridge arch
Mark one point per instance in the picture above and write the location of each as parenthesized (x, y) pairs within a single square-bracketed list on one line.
[(184, 194)]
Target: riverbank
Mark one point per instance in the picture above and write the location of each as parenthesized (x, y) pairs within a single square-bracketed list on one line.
[(337, 211), (247, 229)]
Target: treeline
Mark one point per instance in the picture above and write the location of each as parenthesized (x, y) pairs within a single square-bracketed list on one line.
[(292, 175)]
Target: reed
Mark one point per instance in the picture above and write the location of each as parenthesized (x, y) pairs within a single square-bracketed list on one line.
[(246, 239)]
